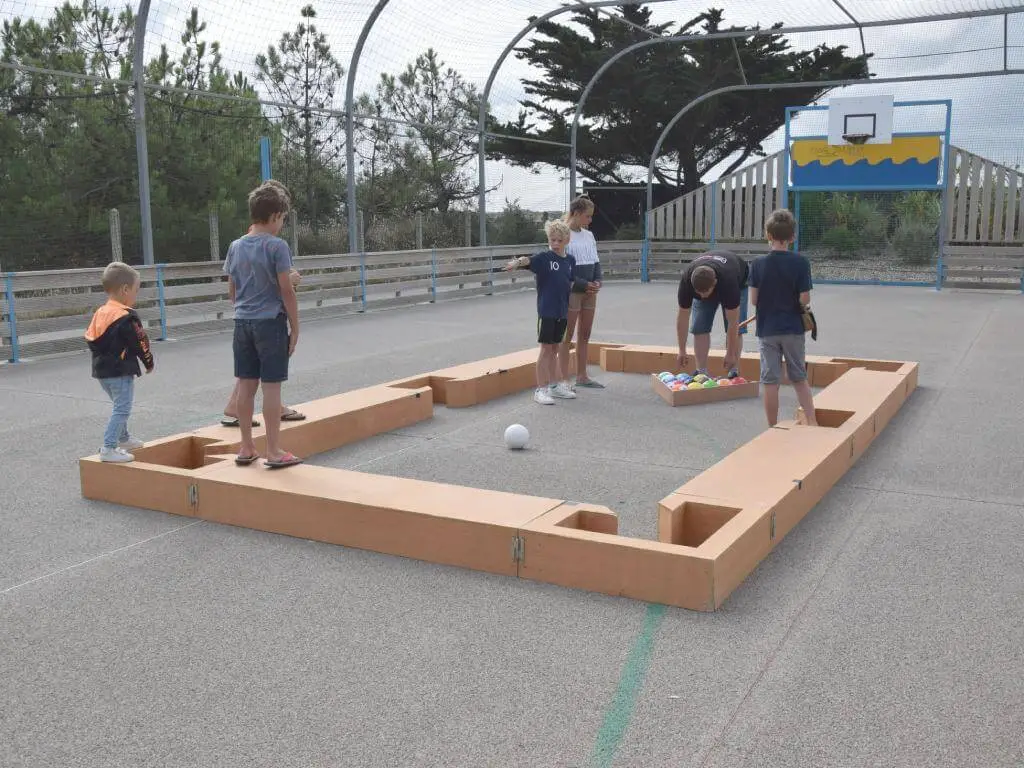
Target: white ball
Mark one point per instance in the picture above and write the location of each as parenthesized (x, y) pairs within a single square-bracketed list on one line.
[(516, 437)]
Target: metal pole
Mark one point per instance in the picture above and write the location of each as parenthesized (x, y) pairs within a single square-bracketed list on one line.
[(947, 189), (797, 84), (350, 129), (141, 145), (758, 32), (264, 158)]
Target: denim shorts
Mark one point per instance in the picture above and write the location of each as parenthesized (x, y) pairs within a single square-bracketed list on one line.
[(261, 349), (702, 314)]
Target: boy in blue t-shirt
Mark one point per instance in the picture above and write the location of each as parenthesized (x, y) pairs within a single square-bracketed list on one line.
[(554, 273), (780, 286), (259, 267)]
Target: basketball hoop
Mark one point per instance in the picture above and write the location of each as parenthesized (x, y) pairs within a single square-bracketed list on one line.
[(856, 138)]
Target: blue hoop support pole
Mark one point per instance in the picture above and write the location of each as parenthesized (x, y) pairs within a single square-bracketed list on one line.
[(264, 158), (796, 215), (161, 300), (12, 318)]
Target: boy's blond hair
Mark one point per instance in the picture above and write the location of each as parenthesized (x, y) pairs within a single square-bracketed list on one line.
[(781, 226), (118, 275), (266, 200), (557, 227)]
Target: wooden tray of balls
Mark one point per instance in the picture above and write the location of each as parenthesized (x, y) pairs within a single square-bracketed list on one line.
[(689, 395)]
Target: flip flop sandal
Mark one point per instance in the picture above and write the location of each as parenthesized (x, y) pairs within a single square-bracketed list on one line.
[(287, 460), (234, 422), (245, 461), (292, 415), (589, 384)]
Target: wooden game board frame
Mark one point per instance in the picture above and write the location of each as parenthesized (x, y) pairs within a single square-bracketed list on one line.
[(712, 531)]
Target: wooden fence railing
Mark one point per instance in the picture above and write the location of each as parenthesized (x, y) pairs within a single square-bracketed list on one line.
[(984, 203), (45, 313)]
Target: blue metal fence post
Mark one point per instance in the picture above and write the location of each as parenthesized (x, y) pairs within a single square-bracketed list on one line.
[(161, 301), (362, 279), (12, 317), (264, 158), (433, 275), (645, 250), (490, 272)]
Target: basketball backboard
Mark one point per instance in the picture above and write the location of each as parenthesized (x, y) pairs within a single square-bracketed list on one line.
[(860, 120)]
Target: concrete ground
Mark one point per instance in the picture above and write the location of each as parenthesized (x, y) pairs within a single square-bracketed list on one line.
[(886, 629)]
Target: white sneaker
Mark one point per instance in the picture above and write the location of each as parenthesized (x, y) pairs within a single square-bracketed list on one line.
[(541, 396), (562, 390), (117, 455), (131, 444)]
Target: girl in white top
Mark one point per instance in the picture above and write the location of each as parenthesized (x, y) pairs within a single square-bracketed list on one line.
[(582, 306)]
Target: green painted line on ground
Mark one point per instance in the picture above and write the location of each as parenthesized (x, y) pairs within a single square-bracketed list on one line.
[(631, 681)]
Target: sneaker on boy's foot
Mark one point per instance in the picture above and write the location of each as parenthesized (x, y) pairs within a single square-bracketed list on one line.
[(131, 444), (118, 455), (561, 390), (541, 396)]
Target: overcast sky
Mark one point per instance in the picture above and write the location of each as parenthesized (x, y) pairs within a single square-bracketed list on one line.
[(469, 35)]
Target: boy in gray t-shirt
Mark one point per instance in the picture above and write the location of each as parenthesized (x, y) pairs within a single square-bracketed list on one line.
[(258, 267)]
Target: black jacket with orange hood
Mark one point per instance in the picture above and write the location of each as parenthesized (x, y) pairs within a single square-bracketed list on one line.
[(118, 342)]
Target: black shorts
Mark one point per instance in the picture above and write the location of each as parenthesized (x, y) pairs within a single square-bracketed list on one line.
[(261, 349), (551, 330)]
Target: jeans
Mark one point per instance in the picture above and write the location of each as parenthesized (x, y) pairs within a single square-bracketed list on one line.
[(121, 391), (704, 310)]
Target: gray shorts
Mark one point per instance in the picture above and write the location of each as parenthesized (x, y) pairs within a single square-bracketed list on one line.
[(774, 348)]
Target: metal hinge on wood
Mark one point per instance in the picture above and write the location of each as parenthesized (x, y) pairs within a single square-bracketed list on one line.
[(771, 532), (518, 549), (193, 496)]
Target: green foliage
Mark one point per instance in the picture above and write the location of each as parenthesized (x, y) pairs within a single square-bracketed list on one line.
[(853, 225), (635, 98), (69, 144), (514, 226), (421, 165), (303, 72)]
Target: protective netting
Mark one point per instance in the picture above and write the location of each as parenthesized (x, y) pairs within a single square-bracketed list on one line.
[(885, 236), (225, 78)]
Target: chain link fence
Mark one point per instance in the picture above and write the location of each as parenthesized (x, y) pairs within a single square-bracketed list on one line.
[(886, 236)]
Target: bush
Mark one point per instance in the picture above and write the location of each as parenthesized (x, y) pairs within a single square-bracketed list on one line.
[(842, 242), (915, 242)]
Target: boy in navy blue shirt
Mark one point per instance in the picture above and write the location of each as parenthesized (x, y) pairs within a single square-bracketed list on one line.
[(554, 273), (780, 286)]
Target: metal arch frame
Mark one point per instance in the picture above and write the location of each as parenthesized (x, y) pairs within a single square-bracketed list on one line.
[(782, 86), (761, 32), (485, 94), (350, 127), (141, 143)]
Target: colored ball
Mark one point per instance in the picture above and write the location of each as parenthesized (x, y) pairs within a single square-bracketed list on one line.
[(664, 375), (739, 380), (710, 384), (694, 385), (724, 382), (516, 437)]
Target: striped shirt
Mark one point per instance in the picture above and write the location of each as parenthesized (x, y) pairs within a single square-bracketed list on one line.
[(582, 247)]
